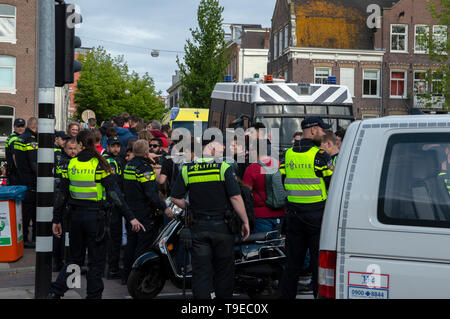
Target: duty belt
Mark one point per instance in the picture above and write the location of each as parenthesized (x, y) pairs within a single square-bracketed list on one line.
[(209, 216)]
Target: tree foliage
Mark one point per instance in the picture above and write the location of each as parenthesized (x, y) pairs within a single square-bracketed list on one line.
[(205, 58), (436, 43), (107, 87)]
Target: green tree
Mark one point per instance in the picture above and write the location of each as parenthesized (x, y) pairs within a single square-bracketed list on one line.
[(107, 87), (436, 43), (205, 59)]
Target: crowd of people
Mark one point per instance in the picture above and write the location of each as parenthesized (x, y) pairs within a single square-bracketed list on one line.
[(122, 170)]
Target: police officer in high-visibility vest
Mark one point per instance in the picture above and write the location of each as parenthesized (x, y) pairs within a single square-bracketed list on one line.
[(141, 193), (69, 151), (11, 169), (115, 240), (213, 192), (308, 171), (85, 185), (25, 154)]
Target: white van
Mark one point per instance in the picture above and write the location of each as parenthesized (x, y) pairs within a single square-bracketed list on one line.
[(386, 226)]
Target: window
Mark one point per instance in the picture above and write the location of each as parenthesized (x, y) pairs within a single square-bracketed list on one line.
[(420, 31), (275, 46), (436, 83), (286, 36), (321, 75), (7, 74), (6, 120), (348, 79), (280, 46), (411, 196), (399, 38), (398, 83), (420, 82), (370, 83), (7, 23), (440, 37)]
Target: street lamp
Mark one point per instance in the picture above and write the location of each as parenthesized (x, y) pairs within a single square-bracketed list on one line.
[(155, 53)]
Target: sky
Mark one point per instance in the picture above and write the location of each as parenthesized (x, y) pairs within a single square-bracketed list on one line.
[(134, 27)]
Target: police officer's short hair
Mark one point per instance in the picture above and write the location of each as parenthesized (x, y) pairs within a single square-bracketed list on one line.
[(71, 141), (140, 148)]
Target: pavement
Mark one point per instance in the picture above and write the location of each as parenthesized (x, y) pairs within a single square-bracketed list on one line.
[(17, 280)]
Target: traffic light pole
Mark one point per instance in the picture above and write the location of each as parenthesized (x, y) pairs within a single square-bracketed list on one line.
[(46, 137)]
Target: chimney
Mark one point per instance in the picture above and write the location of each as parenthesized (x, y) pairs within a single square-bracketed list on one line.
[(267, 39)]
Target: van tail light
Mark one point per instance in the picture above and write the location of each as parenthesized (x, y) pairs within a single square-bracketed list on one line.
[(327, 274)]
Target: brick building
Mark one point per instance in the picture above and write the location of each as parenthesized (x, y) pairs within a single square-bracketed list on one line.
[(314, 39), (18, 63), (248, 46)]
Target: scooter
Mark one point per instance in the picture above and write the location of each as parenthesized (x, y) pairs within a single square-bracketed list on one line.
[(259, 264)]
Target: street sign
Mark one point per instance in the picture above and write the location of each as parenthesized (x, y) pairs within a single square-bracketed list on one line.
[(87, 114)]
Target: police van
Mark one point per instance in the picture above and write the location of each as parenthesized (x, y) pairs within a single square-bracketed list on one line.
[(279, 105), (386, 226)]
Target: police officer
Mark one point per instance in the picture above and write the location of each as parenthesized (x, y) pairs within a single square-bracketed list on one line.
[(86, 182), (11, 169), (60, 140), (25, 153), (213, 191), (69, 151), (141, 193), (115, 240), (308, 171)]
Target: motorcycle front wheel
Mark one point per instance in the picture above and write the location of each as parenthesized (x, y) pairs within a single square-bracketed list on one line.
[(145, 283)]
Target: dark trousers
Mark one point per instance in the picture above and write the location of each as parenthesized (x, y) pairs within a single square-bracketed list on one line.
[(115, 240), (29, 214), (212, 260), (141, 242), (59, 245), (85, 227), (302, 232)]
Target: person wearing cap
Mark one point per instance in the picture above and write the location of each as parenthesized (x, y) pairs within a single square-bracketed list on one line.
[(115, 240), (213, 194), (25, 154), (11, 169), (308, 170), (60, 140)]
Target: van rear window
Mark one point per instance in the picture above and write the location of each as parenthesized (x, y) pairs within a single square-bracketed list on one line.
[(415, 181)]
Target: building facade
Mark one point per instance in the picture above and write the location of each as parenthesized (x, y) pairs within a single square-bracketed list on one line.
[(18, 63), (248, 49), (315, 39), (405, 61)]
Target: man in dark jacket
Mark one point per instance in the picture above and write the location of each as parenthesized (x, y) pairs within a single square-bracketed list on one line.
[(141, 193), (25, 151)]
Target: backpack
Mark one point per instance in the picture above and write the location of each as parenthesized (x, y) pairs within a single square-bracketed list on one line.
[(249, 204), (276, 194)]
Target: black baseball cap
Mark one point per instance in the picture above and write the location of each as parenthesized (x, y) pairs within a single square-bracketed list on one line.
[(19, 122), (62, 135), (114, 140), (314, 121)]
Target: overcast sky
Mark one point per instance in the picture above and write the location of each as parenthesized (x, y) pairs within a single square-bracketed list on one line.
[(133, 27)]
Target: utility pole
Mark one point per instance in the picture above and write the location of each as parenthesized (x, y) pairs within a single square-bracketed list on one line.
[(46, 138)]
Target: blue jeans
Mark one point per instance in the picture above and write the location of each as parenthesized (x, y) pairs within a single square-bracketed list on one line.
[(264, 225)]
